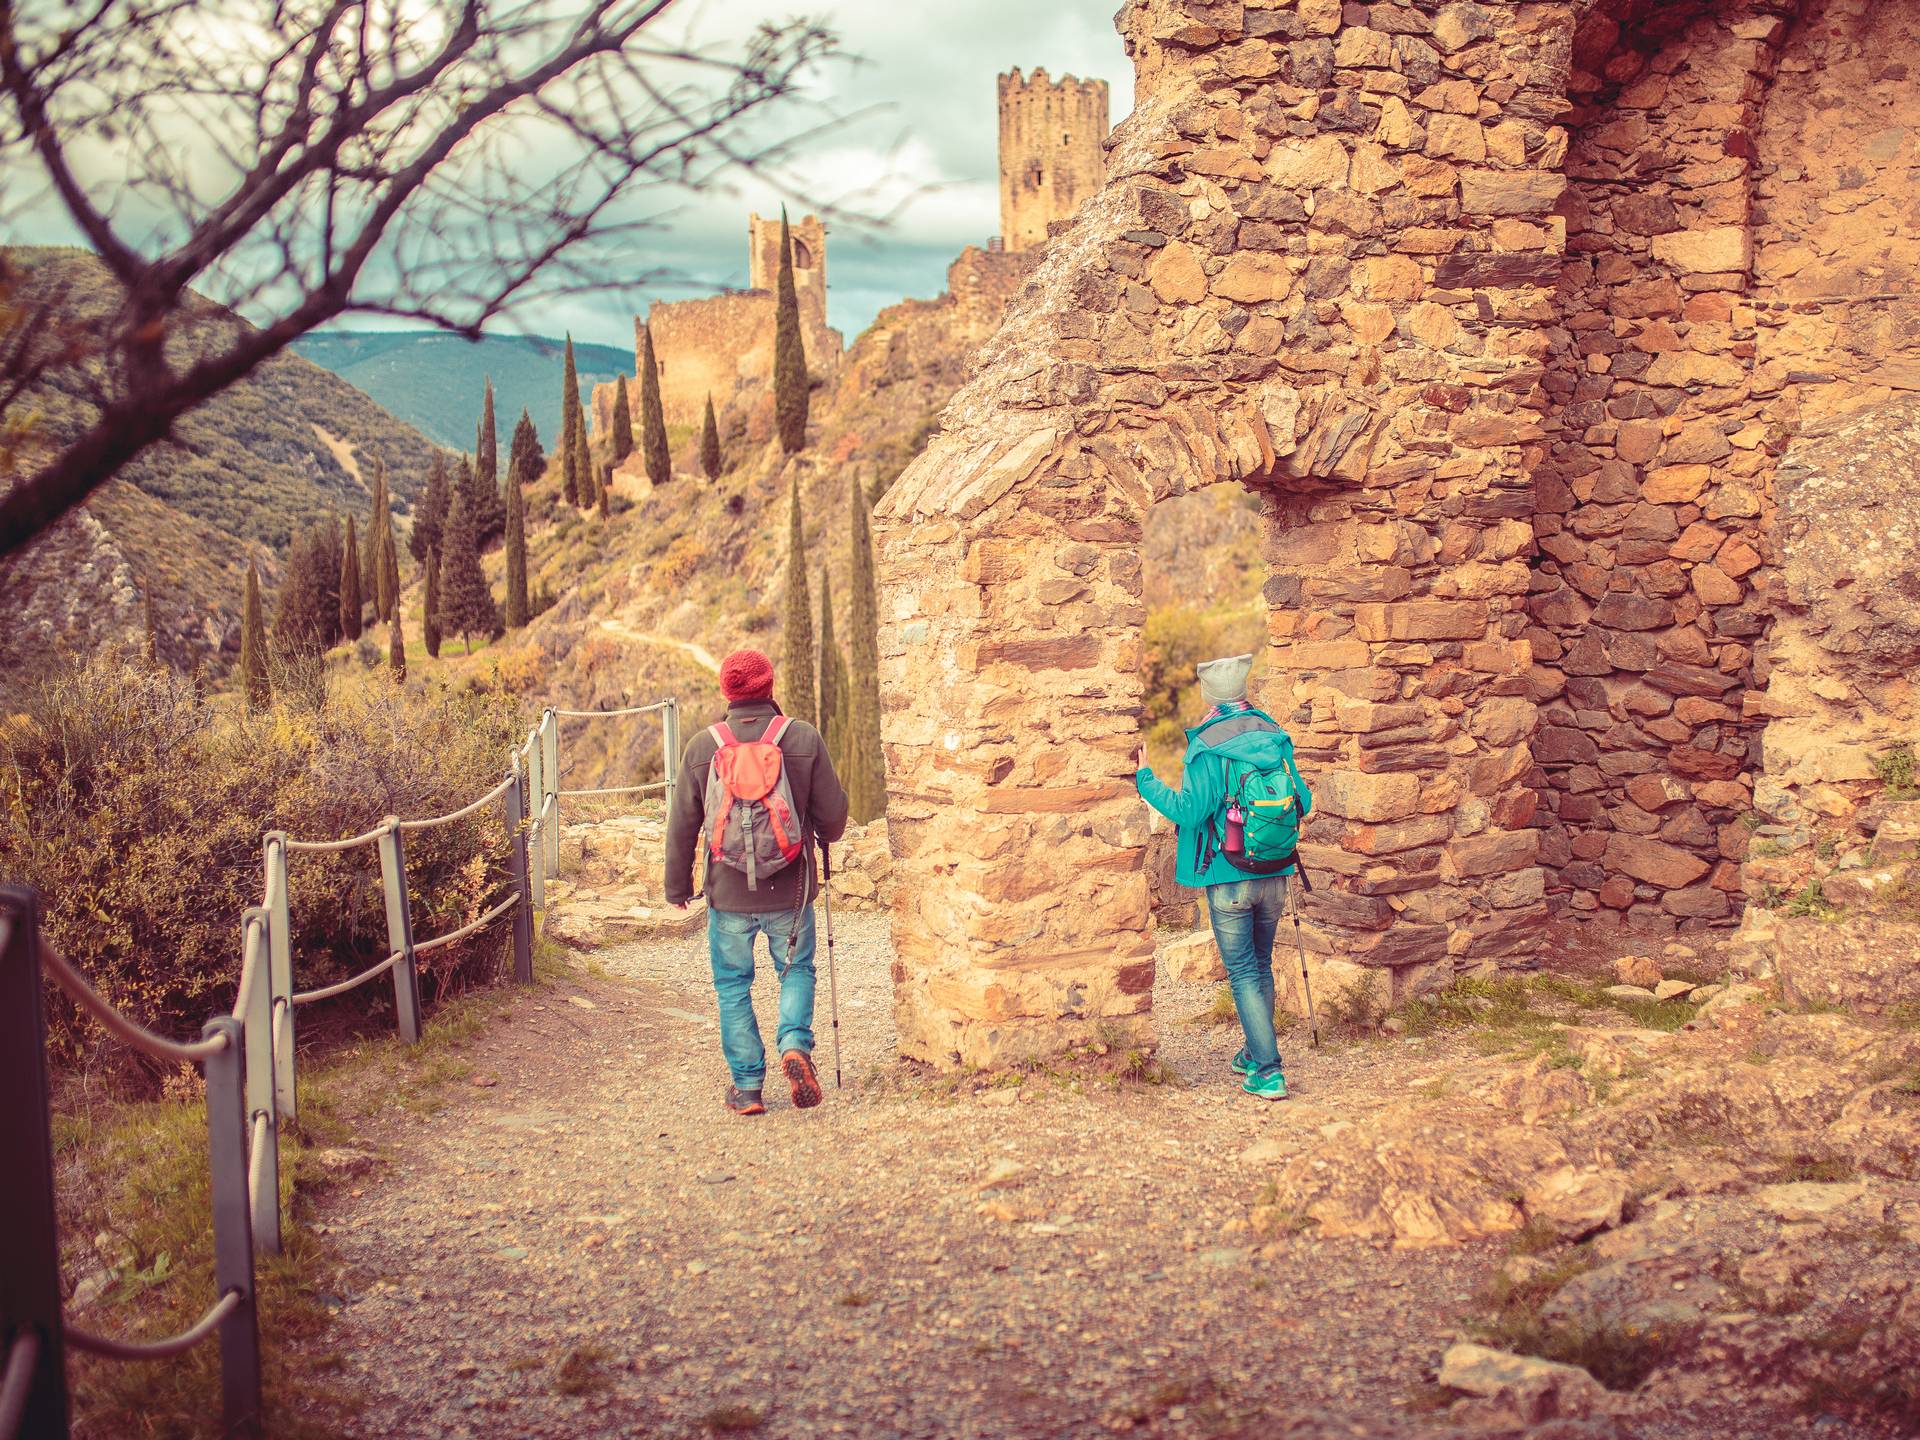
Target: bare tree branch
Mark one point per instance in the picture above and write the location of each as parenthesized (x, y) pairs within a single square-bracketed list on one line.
[(447, 162)]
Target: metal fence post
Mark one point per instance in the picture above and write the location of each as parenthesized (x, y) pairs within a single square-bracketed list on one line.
[(538, 850), (517, 869), (406, 976), (670, 740), (258, 1020), (232, 1229), (549, 803), (30, 1292), (280, 973)]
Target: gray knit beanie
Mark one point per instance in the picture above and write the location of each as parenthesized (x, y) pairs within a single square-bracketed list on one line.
[(1224, 681)]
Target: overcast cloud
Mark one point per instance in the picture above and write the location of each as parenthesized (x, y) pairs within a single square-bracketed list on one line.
[(920, 148)]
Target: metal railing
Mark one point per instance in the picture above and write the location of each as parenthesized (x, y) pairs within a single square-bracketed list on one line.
[(247, 1060)]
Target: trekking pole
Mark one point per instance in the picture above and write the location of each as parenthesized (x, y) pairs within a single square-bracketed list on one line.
[(833, 972), (1306, 985)]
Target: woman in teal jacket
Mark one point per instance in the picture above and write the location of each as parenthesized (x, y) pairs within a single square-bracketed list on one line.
[(1244, 909)]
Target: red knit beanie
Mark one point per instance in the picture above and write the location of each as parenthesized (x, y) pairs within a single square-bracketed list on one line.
[(746, 675)]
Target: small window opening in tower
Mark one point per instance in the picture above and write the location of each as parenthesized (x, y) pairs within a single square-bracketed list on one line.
[(1034, 177), (1066, 137), (802, 256)]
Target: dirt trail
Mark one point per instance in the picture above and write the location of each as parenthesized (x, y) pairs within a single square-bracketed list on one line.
[(699, 654), (593, 1247)]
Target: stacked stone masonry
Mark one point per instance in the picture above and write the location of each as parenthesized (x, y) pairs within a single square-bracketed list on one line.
[(1506, 311)]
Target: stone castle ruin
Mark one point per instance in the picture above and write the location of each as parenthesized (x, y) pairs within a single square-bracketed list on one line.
[(1052, 156), (722, 345), (1554, 338)]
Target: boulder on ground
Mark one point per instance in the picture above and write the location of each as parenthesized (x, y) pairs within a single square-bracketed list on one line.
[(1537, 1389)]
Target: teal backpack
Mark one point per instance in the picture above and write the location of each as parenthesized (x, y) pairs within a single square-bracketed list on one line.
[(1257, 828)]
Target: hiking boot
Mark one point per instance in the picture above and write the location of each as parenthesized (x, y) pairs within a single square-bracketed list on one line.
[(806, 1085), (1266, 1087), (745, 1102), (1240, 1065)]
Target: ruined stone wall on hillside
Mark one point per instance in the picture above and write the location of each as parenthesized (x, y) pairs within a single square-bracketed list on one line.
[(1509, 311), (719, 345), (1319, 267), (1649, 510), (1741, 207)]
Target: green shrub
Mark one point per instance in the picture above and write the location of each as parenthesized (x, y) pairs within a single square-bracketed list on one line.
[(137, 806)]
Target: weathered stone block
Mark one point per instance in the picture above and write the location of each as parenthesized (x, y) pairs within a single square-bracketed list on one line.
[(1370, 798), (1654, 861), (1421, 620)]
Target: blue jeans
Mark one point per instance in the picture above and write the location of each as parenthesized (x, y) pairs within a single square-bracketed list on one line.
[(1245, 916), (730, 948)]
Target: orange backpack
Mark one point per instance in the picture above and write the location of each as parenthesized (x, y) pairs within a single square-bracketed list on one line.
[(751, 825)]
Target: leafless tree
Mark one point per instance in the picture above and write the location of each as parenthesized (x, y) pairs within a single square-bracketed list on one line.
[(445, 161)]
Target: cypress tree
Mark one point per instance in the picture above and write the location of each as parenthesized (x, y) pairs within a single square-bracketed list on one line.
[(430, 516), (710, 457), (572, 463), (370, 555), (352, 606), (396, 648), (390, 575), (430, 617), (489, 504), (583, 449), (605, 498), (255, 687), (833, 681), (525, 462), (382, 579), (622, 437), (653, 419), (797, 689), (866, 769), (306, 615), (466, 604), (516, 553), (789, 352)]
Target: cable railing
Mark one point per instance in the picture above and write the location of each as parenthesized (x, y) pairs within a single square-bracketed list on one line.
[(246, 1059)]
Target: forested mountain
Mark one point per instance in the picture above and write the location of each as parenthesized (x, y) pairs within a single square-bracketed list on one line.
[(434, 381), (290, 445)]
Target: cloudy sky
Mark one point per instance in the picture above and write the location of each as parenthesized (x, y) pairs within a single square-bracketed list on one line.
[(914, 92), (919, 84)]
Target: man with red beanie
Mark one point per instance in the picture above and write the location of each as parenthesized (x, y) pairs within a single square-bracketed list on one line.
[(771, 792)]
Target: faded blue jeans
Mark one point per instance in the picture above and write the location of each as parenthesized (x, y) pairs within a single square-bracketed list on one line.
[(1246, 915), (730, 948)]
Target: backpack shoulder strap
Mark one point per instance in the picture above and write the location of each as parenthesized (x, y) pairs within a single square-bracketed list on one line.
[(776, 730), (722, 734)]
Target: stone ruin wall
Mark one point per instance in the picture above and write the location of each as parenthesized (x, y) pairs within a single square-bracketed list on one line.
[(1051, 152), (1469, 293), (720, 345), (1277, 286)]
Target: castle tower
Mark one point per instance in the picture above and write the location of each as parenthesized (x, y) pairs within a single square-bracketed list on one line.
[(809, 258), (1051, 156)]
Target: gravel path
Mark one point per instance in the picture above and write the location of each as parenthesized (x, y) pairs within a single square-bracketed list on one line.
[(593, 1247)]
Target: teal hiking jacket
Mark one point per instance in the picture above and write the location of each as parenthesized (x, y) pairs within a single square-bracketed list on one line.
[(1242, 736)]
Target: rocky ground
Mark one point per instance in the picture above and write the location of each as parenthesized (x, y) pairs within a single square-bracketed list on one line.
[(583, 1243)]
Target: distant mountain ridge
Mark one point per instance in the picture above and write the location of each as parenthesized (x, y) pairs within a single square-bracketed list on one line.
[(434, 381)]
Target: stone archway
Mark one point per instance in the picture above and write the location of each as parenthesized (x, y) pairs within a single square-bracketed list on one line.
[(1346, 310)]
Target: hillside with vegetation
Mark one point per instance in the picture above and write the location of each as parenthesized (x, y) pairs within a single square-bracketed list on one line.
[(289, 447), (433, 381)]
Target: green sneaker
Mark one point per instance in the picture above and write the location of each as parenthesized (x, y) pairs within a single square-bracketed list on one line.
[(1266, 1087), (1240, 1065)]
